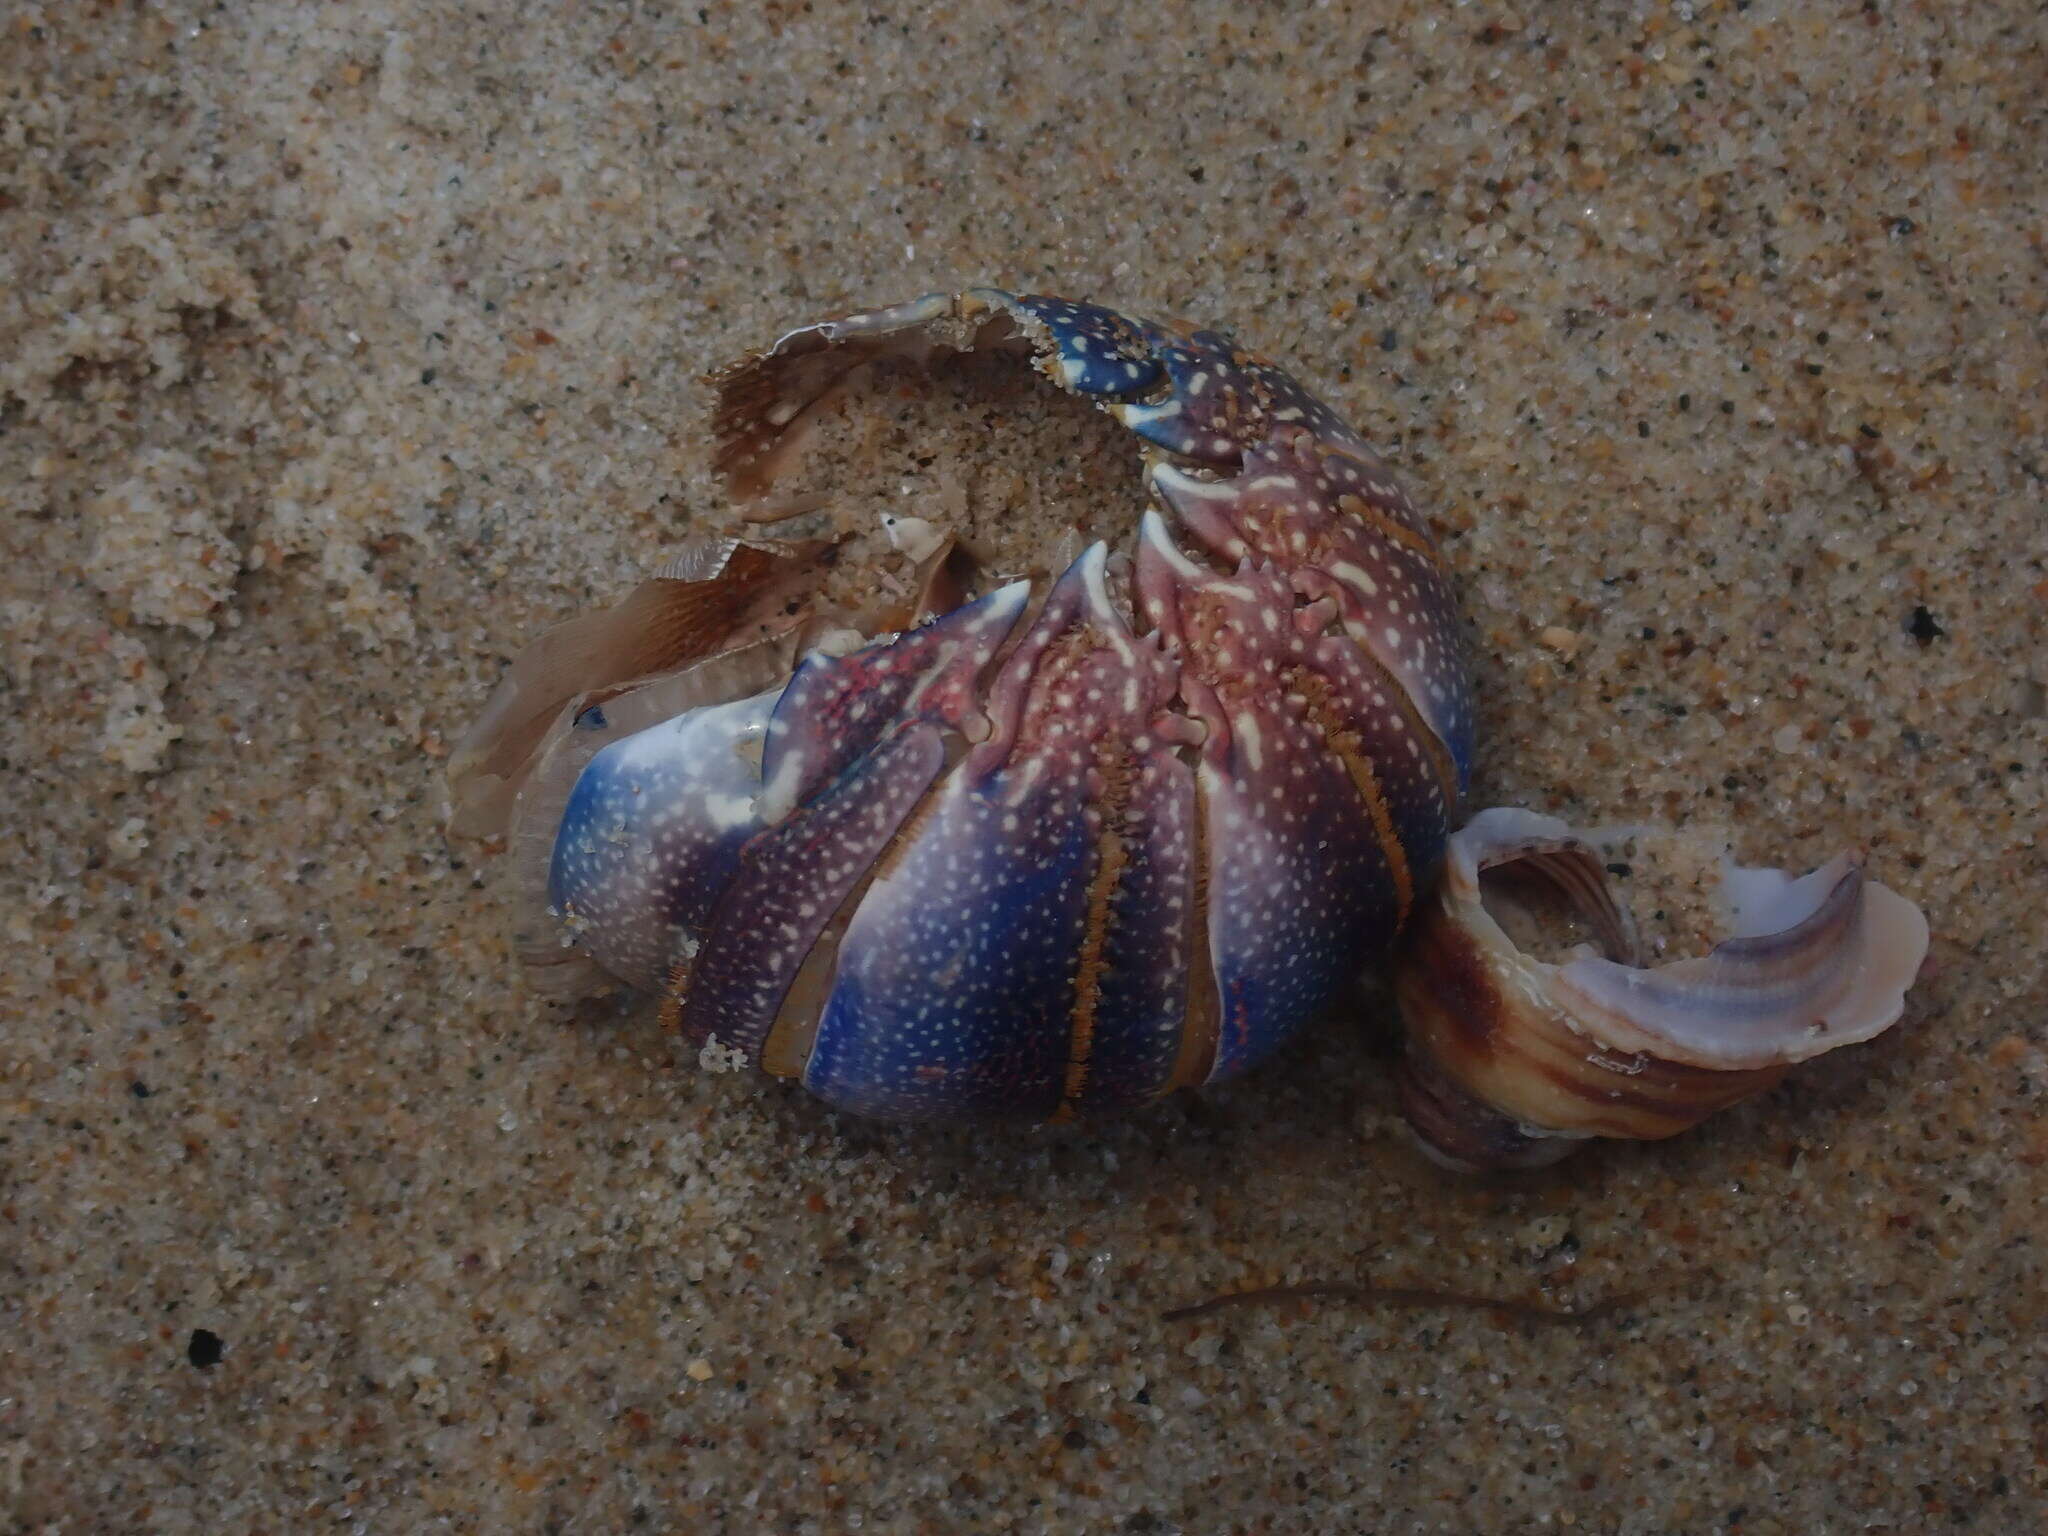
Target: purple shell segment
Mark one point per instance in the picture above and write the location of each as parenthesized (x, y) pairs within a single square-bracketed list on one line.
[(791, 880), (1288, 406), (854, 743), (1303, 865), (653, 831), (970, 980), (1343, 530)]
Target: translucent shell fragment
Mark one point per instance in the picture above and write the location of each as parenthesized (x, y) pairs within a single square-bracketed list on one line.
[(1023, 849), (1512, 1061)]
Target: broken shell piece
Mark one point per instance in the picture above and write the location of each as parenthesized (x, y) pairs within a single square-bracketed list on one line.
[(717, 593), (1512, 1060), (915, 537)]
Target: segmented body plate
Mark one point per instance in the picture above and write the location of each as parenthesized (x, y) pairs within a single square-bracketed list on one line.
[(1040, 865)]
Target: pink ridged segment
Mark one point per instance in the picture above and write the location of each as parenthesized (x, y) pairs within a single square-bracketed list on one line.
[(1341, 530), (1223, 401), (1386, 736), (1290, 407), (837, 707)]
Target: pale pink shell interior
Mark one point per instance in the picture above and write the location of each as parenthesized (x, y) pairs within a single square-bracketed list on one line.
[(1810, 962)]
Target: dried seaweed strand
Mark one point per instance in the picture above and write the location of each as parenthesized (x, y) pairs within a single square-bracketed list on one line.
[(1529, 1313)]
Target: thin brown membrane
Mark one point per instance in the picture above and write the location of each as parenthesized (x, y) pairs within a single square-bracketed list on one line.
[(786, 1050), (1200, 1036), (1344, 745), (1110, 862)]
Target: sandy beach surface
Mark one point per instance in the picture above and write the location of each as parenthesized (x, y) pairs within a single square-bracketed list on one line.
[(344, 346)]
